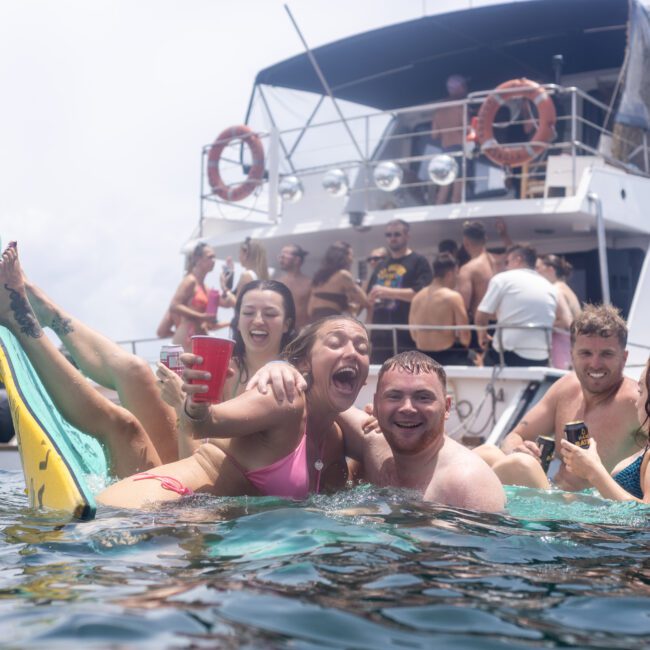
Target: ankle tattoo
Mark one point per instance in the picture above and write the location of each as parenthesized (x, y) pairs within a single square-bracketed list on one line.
[(61, 326), (23, 314)]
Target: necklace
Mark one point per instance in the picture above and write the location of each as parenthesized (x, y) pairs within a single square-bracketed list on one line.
[(319, 464)]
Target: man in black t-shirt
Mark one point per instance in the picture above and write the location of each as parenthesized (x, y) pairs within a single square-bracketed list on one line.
[(393, 284)]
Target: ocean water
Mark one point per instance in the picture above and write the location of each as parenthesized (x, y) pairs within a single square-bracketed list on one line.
[(363, 569)]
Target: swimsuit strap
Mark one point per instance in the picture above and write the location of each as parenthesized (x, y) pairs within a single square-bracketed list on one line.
[(166, 482)]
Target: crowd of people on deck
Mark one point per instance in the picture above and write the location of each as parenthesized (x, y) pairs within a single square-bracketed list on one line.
[(287, 425)]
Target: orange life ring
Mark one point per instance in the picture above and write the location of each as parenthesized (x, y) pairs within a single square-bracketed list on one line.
[(255, 173), (515, 155)]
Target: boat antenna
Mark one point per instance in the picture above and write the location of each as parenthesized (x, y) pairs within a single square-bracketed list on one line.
[(326, 86)]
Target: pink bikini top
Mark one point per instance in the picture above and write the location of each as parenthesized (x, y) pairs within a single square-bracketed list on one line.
[(287, 477)]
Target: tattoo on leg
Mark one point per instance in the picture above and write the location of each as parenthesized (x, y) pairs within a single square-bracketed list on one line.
[(60, 325), (23, 314)]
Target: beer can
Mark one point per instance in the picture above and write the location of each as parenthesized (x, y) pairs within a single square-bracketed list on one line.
[(546, 446), (577, 433), (170, 356)]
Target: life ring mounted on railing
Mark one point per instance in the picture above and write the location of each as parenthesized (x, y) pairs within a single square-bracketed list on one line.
[(516, 154), (255, 173)]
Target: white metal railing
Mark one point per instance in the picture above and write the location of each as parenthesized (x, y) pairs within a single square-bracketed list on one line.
[(409, 129)]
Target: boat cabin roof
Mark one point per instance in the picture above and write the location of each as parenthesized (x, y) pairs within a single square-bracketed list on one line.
[(485, 44)]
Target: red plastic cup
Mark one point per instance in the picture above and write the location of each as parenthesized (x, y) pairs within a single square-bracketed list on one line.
[(216, 357), (213, 302)]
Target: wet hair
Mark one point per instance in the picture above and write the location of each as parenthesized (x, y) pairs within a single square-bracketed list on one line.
[(256, 258), (443, 263), (239, 349), (599, 320), (336, 258), (527, 253), (399, 222), (195, 256), (414, 363), (474, 231), (448, 246), (561, 267), (300, 348)]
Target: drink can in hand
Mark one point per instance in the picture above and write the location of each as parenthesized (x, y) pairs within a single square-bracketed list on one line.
[(216, 358), (213, 302), (170, 356), (577, 433), (546, 446)]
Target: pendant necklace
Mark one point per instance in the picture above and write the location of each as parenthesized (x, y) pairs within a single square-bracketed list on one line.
[(319, 464)]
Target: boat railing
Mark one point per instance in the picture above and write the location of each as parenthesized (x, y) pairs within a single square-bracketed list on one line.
[(299, 158)]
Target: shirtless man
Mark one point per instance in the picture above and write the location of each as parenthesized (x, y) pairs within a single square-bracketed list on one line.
[(290, 259), (595, 392), (440, 304), (473, 277), (412, 451), (447, 128)]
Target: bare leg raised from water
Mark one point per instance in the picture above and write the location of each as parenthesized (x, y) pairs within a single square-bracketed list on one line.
[(111, 366), (129, 447), (514, 469)]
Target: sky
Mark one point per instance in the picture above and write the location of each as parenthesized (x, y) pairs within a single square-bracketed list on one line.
[(106, 105)]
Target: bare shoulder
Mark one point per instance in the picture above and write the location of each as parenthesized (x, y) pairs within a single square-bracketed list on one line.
[(463, 479), (564, 388)]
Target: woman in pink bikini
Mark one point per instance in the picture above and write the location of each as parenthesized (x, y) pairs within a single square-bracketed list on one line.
[(262, 447)]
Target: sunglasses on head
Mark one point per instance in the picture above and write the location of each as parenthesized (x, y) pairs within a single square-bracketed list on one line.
[(393, 234), (374, 258)]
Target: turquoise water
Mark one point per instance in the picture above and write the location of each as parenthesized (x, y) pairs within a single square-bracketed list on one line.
[(364, 569)]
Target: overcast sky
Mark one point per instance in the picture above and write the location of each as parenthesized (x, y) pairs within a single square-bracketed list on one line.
[(105, 107)]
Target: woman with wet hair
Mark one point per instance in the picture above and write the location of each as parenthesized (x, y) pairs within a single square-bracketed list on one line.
[(630, 479), (334, 290)]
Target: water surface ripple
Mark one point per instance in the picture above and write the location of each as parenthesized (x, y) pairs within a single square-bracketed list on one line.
[(363, 569)]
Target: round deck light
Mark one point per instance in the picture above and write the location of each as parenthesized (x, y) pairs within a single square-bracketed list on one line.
[(290, 189), (388, 176), (335, 182), (443, 169)]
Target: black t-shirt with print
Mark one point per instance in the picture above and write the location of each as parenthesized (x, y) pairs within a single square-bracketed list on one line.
[(409, 272)]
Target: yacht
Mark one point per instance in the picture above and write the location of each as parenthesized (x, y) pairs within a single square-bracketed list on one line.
[(337, 141)]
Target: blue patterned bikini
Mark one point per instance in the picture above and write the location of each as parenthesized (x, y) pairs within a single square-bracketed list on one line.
[(629, 478)]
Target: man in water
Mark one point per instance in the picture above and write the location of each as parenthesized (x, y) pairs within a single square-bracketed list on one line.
[(439, 304), (596, 392), (290, 260), (412, 450)]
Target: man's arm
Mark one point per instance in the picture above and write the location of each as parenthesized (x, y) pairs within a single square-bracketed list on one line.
[(391, 293), (352, 426), (464, 285), (461, 319), (414, 320), (539, 421), (482, 319)]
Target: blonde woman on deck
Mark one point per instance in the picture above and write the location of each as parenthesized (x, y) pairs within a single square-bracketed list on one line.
[(189, 304), (252, 256)]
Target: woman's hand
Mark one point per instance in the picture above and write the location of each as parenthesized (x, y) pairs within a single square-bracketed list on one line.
[(171, 387), (583, 463), (371, 425), (285, 381), (190, 374)]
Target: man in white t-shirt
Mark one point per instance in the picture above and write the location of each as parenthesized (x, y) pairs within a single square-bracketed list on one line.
[(520, 297)]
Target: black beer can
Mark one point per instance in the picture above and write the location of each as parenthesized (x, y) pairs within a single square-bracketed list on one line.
[(546, 446), (577, 433)]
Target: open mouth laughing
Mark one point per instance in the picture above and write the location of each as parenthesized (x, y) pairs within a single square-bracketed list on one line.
[(345, 379), (258, 335)]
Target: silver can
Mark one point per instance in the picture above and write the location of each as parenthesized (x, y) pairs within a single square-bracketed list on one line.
[(170, 356)]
